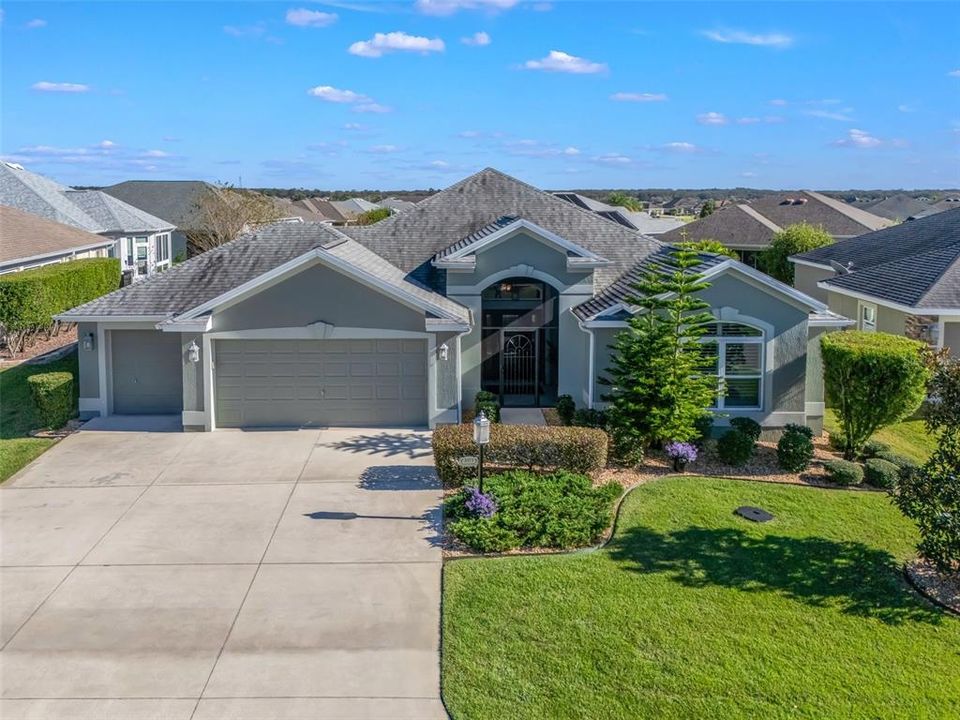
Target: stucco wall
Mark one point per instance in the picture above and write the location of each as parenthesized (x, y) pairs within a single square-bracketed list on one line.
[(888, 320), (951, 338), (805, 279), (88, 379), (447, 379)]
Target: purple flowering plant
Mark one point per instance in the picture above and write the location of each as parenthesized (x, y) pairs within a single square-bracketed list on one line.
[(681, 451), (480, 504)]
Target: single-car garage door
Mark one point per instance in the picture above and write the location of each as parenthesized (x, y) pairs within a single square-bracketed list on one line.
[(147, 369), (262, 383)]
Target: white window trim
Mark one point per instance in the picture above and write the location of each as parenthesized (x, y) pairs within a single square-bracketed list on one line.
[(721, 341), (162, 241), (864, 326)]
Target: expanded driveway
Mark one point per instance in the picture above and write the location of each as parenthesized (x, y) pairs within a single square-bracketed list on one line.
[(239, 575)]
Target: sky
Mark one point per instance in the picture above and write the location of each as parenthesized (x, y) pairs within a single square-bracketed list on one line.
[(406, 95)]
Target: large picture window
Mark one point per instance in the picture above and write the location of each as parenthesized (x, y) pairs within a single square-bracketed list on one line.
[(163, 248), (735, 356)]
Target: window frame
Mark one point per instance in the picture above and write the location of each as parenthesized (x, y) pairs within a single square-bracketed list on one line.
[(721, 342), (862, 323), (161, 251)]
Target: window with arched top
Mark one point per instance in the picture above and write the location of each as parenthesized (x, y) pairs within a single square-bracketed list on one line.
[(734, 354)]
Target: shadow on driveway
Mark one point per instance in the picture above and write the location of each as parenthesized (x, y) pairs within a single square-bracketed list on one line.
[(387, 444)]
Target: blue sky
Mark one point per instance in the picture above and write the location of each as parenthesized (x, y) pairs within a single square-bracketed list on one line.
[(412, 95)]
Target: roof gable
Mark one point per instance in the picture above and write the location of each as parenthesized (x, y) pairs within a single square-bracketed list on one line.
[(172, 200), (24, 235), (835, 216), (734, 226)]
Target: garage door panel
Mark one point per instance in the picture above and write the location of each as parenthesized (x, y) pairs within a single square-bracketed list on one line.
[(147, 372), (321, 382)]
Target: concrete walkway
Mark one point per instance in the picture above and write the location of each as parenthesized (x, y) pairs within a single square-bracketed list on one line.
[(244, 575), (521, 416)]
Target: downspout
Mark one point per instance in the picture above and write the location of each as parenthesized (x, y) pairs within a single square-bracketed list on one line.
[(592, 346)]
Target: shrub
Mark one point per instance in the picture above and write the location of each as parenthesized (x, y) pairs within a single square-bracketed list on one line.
[(904, 463), (792, 240), (735, 448), (591, 418), (576, 449), (704, 427), (872, 380), (566, 409), (750, 428), (489, 404), (795, 448), (844, 472), (872, 448), (53, 395), (30, 299), (560, 510), (881, 473)]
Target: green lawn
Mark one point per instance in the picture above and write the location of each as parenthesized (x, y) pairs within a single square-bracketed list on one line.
[(18, 414), (908, 438), (691, 612)]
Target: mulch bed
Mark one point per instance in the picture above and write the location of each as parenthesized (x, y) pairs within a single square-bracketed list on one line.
[(942, 589), (38, 347)]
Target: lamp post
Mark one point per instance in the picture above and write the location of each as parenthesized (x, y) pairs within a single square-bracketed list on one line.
[(481, 436)]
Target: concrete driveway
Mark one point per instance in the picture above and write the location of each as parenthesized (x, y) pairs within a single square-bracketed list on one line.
[(244, 575)]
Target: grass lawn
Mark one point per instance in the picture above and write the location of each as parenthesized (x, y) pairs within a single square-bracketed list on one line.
[(692, 612), (908, 438), (18, 414)]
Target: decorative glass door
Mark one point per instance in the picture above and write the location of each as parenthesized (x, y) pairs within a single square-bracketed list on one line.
[(518, 367)]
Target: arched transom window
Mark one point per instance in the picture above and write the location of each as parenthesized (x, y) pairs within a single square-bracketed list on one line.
[(735, 356)]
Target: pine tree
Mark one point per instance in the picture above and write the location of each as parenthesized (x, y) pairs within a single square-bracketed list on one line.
[(658, 374)]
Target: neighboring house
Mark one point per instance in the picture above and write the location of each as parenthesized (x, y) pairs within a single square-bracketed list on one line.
[(903, 280), (948, 203), (353, 208), (142, 241), (490, 284), (177, 201), (748, 228), (320, 208), (897, 207), (396, 204), (29, 241), (290, 211), (642, 221)]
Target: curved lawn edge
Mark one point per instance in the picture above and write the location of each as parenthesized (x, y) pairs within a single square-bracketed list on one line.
[(921, 589)]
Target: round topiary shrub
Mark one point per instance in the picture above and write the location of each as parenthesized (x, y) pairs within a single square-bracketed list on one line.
[(795, 448), (844, 472), (750, 428), (735, 448), (881, 473), (872, 448)]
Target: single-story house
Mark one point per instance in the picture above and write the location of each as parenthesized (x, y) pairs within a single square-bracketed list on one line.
[(637, 220), (142, 241), (748, 228), (29, 241), (903, 280), (490, 284), (897, 207)]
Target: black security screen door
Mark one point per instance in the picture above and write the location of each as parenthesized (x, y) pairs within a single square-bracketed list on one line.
[(519, 342)]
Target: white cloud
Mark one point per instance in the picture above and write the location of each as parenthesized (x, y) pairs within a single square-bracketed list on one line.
[(170, 138), (372, 107), (469, 134), (748, 174), (383, 149), (638, 97), (382, 43), (449, 7), (906, 108), (558, 61), (766, 120), (536, 149), (301, 17), (683, 148), (779, 102), (36, 23), (156, 154), (615, 159), (478, 39), (840, 116), (106, 144), (954, 73), (741, 37), (356, 127), (438, 164), (571, 151), (335, 95), (858, 139), (712, 118), (44, 86)]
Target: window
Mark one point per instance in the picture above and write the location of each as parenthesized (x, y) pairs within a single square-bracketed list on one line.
[(734, 354), (868, 317), (163, 248)]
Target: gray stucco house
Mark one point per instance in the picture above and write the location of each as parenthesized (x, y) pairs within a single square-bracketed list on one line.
[(489, 284)]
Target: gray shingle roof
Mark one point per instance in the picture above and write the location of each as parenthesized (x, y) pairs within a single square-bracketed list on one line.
[(915, 263), (116, 216), (736, 226), (622, 288), (409, 240), (897, 207), (173, 200), (478, 234), (835, 216), (213, 273)]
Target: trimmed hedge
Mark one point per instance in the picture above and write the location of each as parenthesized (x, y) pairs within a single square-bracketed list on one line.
[(844, 472), (904, 463), (53, 395), (795, 448), (873, 448), (576, 449), (30, 299), (881, 473), (735, 447)]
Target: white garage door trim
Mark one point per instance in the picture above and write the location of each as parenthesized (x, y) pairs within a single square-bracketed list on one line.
[(332, 381)]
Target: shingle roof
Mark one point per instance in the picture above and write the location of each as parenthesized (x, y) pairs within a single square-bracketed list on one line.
[(25, 235), (915, 263), (897, 207), (478, 234), (173, 200), (217, 271), (410, 239), (736, 226), (835, 216), (622, 288), (90, 210)]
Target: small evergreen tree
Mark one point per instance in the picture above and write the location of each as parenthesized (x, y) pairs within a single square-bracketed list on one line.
[(708, 208), (791, 241), (708, 246), (622, 199), (659, 387)]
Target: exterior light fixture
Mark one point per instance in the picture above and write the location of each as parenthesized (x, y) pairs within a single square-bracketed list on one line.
[(481, 436), (443, 351), (86, 342), (193, 352)]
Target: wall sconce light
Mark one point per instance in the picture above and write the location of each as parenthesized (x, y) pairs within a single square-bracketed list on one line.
[(193, 352), (86, 342), (443, 351)]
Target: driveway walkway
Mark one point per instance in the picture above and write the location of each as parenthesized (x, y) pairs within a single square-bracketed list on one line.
[(244, 575)]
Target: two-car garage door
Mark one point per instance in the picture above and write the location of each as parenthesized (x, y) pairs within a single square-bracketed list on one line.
[(262, 383)]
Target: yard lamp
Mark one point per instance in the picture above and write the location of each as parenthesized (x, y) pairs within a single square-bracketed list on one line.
[(193, 352), (481, 436)]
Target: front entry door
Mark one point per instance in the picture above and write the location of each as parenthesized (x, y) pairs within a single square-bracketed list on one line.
[(519, 367)]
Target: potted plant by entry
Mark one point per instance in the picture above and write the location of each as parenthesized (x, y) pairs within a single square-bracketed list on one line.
[(681, 453)]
